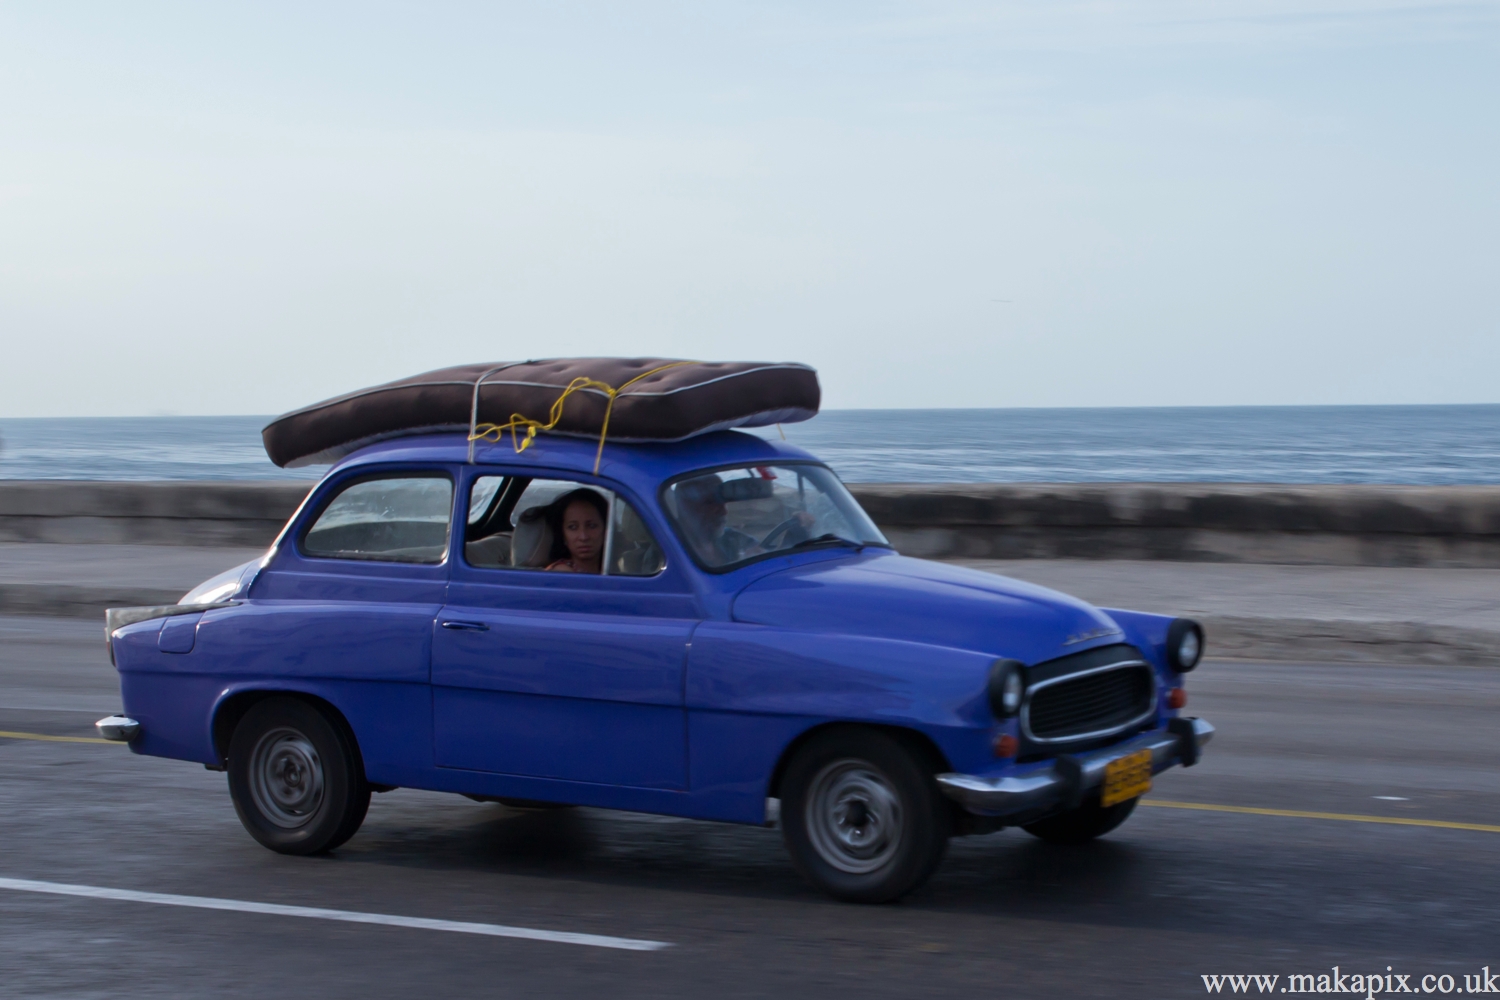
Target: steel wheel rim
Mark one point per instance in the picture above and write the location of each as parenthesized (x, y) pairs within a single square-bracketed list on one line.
[(286, 778), (854, 817)]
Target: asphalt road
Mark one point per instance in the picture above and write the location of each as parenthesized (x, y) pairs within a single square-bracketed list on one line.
[(1174, 894)]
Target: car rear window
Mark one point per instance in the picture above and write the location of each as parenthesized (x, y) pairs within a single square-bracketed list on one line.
[(391, 519)]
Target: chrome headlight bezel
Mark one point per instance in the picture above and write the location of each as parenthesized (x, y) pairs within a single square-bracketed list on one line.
[(1184, 645), (1007, 688)]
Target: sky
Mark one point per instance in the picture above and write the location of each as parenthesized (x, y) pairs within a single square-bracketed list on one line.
[(246, 207)]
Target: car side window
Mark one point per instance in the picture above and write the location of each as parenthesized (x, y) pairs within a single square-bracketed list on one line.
[(512, 523), (386, 519)]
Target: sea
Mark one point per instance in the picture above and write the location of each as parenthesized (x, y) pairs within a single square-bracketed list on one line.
[(1238, 444)]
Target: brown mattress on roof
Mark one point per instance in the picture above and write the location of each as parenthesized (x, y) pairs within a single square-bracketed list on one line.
[(673, 403)]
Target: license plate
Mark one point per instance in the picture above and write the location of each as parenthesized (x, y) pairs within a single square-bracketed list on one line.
[(1126, 778)]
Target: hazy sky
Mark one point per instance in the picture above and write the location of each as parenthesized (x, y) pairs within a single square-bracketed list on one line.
[(243, 208)]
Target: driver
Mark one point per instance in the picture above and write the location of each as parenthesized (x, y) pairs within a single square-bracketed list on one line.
[(704, 517)]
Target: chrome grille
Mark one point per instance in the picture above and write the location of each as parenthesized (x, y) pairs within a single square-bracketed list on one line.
[(1092, 703)]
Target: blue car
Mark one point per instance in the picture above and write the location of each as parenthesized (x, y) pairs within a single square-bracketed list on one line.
[(711, 628)]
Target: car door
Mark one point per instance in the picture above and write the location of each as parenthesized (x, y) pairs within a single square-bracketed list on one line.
[(354, 591), (345, 610), (567, 676)]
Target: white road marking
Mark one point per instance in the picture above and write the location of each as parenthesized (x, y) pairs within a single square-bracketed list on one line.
[(318, 913), (1390, 798)]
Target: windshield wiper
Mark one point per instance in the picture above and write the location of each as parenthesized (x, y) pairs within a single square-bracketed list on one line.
[(827, 539)]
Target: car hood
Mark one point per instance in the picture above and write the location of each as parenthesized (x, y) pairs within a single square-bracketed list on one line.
[(914, 600)]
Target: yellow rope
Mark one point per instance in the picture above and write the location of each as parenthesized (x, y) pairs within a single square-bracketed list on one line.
[(517, 421)]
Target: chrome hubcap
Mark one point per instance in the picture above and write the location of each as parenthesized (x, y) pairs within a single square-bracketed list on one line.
[(286, 778), (854, 817)]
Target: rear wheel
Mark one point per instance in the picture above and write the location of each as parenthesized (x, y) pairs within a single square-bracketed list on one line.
[(296, 778), (1079, 826), (862, 817)]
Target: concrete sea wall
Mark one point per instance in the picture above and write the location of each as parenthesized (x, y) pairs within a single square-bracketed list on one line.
[(1448, 526), (1444, 526), (146, 513)]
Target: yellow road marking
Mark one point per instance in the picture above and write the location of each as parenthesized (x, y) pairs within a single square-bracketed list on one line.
[(1304, 814), (52, 739)]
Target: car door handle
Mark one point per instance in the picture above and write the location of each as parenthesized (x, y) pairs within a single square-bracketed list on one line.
[(467, 626)]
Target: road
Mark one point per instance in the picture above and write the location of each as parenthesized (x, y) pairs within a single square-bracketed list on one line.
[(1174, 894)]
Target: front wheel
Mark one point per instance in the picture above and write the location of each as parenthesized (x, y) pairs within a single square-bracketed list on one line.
[(862, 817), (296, 778), (1078, 826)]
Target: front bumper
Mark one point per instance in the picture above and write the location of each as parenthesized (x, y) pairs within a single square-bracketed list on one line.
[(1063, 783)]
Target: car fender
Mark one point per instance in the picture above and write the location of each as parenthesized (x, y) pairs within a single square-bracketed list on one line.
[(1148, 633), (752, 690)]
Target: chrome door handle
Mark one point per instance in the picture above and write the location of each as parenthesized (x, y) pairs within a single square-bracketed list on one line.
[(467, 626)]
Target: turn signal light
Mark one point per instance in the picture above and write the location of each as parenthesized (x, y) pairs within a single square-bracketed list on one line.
[(1006, 745), (1177, 698)]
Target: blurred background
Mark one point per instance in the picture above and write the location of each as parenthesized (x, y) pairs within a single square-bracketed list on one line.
[(1088, 243), (242, 208)]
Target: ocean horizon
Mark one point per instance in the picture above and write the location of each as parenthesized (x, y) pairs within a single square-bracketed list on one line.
[(1430, 445)]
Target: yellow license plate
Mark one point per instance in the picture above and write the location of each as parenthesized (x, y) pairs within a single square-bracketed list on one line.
[(1126, 778)]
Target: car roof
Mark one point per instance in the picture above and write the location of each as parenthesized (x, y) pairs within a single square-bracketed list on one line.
[(643, 466)]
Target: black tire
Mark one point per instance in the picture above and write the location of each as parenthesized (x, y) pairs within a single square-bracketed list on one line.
[(1081, 825), (296, 777), (862, 817)]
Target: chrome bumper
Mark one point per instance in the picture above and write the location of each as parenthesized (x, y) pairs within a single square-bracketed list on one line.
[(118, 728), (1070, 776)]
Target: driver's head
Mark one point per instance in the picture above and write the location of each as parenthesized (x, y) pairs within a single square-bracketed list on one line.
[(703, 502)]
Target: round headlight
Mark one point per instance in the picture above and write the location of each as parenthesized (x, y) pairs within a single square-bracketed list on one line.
[(1010, 694), (1007, 687), (1184, 645)]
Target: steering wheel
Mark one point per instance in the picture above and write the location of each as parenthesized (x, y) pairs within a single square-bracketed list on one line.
[(787, 528)]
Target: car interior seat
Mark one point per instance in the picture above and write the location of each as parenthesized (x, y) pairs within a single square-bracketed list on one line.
[(531, 543), (636, 558), (491, 551), (635, 552)]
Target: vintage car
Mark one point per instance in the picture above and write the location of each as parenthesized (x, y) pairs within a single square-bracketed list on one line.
[(748, 648)]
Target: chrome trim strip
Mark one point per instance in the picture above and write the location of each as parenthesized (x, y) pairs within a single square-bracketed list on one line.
[(1071, 737)]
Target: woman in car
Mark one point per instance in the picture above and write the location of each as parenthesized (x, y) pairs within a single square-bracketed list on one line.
[(577, 519)]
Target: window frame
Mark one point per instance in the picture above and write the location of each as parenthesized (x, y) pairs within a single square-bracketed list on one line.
[(616, 494), (342, 486)]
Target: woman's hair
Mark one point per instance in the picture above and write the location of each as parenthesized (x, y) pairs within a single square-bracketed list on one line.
[(559, 507)]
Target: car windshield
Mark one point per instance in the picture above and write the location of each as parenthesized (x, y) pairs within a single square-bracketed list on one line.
[(734, 515)]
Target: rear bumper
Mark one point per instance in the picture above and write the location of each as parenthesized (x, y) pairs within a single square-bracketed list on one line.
[(1063, 783), (119, 728)]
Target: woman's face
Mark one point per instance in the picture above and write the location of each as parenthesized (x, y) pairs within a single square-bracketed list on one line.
[(583, 530)]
